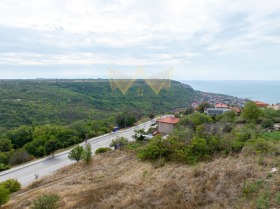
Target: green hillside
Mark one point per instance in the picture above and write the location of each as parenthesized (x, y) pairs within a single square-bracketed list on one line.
[(65, 101)]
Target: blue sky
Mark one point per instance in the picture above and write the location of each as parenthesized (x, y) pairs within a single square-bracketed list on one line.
[(199, 40)]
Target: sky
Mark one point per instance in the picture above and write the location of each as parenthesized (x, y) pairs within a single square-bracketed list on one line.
[(198, 40)]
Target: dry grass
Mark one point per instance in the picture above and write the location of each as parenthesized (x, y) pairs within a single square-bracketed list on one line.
[(119, 180)]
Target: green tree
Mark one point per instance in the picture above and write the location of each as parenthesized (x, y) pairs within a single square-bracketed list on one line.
[(152, 116), (20, 136), (202, 106), (251, 112), (4, 195), (87, 154), (76, 153), (51, 146), (5, 145)]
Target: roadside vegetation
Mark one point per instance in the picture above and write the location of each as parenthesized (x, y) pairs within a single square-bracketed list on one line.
[(39, 117)]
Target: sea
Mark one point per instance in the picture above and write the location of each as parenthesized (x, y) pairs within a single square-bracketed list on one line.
[(265, 91)]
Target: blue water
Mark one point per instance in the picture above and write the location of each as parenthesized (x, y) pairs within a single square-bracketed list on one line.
[(266, 91)]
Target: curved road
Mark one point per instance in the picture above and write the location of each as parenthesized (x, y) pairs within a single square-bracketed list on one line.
[(25, 174)]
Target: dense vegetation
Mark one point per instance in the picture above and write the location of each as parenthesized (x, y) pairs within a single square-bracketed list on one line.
[(38, 117), (199, 137), (35, 102)]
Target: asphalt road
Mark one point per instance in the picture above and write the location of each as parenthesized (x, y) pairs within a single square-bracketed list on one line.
[(25, 174)]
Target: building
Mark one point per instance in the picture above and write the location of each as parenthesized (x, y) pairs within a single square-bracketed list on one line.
[(236, 109), (261, 104), (275, 107), (166, 125), (221, 105), (215, 111)]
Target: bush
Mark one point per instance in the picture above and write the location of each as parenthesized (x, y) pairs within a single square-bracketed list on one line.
[(46, 201), (119, 141), (102, 150), (267, 123), (87, 154), (262, 202), (154, 150), (4, 167), (12, 185), (277, 198), (20, 156), (76, 153), (4, 195), (260, 146)]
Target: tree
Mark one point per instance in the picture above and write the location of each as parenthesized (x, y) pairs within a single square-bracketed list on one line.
[(5, 145), (76, 153), (202, 106), (189, 110), (51, 146), (20, 136), (4, 195), (19, 156), (87, 154), (251, 112), (152, 116)]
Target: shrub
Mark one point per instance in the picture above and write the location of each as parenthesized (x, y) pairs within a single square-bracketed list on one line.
[(267, 123), (4, 157), (76, 153), (277, 198), (102, 150), (4, 195), (4, 167), (119, 141), (46, 201), (260, 146), (12, 185), (262, 202), (154, 150), (20, 156), (87, 154)]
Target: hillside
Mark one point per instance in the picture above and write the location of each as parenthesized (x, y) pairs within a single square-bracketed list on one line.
[(65, 101), (117, 179)]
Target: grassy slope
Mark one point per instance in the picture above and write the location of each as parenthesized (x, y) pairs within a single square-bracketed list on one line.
[(65, 101), (118, 180)]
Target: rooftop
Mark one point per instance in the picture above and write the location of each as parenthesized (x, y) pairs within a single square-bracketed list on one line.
[(170, 120), (221, 105), (261, 104)]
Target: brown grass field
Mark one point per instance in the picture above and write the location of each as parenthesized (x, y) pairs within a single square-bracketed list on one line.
[(117, 179)]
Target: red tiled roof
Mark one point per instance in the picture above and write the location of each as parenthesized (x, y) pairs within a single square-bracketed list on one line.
[(261, 104), (170, 120), (221, 105), (236, 109)]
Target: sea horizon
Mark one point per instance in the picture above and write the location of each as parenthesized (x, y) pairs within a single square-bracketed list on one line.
[(261, 90)]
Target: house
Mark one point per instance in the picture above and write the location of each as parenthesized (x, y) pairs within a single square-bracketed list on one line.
[(261, 104), (221, 105), (166, 125), (275, 107), (215, 111), (236, 109)]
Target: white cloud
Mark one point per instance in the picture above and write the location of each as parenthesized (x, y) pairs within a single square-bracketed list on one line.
[(131, 33)]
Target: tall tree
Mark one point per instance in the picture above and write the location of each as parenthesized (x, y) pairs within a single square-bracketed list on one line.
[(52, 145), (251, 112)]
